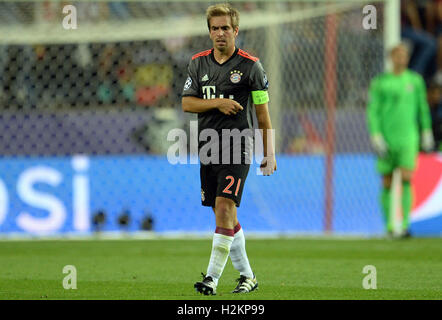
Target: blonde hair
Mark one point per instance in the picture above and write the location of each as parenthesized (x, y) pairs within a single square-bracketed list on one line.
[(223, 9)]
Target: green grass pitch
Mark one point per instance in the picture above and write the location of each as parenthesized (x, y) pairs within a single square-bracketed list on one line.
[(287, 269)]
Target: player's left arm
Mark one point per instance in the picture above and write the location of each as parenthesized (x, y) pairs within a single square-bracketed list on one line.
[(268, 164), (427, 138), (260, 97)]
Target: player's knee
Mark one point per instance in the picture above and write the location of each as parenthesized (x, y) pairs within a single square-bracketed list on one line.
[(224, 209), (386, 181), (406, 175), (406, 179)]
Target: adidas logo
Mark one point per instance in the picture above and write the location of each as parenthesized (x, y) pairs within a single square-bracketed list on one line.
[(205, 78)]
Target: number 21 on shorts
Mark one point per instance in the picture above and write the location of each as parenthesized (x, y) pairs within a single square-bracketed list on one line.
[(231, 183)]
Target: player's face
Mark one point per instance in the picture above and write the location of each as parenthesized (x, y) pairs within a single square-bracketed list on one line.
[(399, 57), (222, 33)]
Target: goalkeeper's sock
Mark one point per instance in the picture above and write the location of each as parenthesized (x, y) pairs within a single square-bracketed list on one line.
[(407, 200), (222, 241), (385, 204), (238, 253)]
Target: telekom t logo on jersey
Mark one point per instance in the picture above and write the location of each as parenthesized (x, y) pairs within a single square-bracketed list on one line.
[(209, 92)]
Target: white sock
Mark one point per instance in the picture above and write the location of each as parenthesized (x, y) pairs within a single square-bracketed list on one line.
[(238, 255), (220, 253)]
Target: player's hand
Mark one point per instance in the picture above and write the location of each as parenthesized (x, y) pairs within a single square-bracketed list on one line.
[(427, 140), (379, 145), (229, 106), (268, 165)]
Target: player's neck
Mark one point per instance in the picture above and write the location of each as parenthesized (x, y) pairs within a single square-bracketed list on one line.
[(398, 70), (222, 57)]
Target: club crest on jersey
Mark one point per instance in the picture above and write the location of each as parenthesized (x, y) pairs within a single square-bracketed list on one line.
[(235, 76), (409, 87)]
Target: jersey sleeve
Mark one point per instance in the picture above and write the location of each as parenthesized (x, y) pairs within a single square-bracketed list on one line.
[(373, 107), (423, 109), (191, 86), (259, 84), (258, 78)]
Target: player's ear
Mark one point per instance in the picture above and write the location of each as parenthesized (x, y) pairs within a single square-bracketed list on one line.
[(235, 31)]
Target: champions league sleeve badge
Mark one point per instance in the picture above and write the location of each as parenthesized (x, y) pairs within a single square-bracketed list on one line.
[(188, 83), (266, 82)]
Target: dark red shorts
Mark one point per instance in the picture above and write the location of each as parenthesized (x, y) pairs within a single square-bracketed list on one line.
[(222, 180)]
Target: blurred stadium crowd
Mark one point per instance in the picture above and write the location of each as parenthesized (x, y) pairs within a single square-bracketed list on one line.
[(146, 73), (84, 75), (421, 28)]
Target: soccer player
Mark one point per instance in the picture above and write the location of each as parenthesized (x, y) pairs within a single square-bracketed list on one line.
[(224, 85), (397, 112)]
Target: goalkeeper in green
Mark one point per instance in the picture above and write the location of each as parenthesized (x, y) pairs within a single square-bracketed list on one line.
[(398, 115)]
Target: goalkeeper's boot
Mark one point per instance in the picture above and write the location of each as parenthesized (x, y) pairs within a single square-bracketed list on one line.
[(246, 285), (406, 234), (207, 286)]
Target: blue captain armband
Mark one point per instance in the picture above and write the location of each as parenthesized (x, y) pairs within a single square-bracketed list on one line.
[(260, 96)]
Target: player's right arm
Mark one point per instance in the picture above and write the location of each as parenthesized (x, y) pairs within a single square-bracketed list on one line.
[(191, 101), (374, 103), (373, 118), (197, 105)]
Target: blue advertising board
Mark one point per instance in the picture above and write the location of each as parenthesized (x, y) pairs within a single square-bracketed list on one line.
[(60, 195)]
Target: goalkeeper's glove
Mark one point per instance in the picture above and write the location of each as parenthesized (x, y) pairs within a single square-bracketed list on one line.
[(379, 145), (427, 140)]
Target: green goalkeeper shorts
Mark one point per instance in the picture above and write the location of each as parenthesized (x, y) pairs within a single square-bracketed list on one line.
[(398, 157)]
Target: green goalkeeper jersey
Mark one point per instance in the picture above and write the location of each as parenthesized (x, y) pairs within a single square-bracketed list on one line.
[(398, 107)]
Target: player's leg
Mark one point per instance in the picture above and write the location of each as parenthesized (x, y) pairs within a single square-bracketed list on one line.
[(231, 186), (247, 281), (225, 213), (208, 195), (407, 198), (238, 254), (225, 216), (407, 164), (386, 200), (385, 167)]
